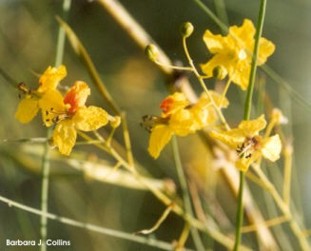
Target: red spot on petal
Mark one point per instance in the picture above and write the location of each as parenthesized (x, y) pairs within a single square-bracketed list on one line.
[(167, 104), (72, 100)]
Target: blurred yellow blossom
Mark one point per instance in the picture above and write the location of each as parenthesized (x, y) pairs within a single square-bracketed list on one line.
[(181, 118), (249, 145), (233, 53), (41, 98), (76, 116)]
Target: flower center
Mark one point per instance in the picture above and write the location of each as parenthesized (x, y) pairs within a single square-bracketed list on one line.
[(246, 149), (56, 116), (149, 122), (242, 54)]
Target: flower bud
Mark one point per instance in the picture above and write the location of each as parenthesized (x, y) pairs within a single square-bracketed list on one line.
[(278, 116), (219, 72), (152, 52), (115, 121), (186, 29)]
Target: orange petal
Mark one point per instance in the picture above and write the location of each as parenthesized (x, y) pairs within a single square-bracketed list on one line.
[(173, 103), (77, 96)]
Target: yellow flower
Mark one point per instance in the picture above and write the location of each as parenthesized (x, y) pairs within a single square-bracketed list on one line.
[(45, 96), (233, 53), (181, 118), (76, 116), (249, 145)]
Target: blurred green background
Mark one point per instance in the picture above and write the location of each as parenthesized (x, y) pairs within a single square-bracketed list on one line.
[(28, 33)]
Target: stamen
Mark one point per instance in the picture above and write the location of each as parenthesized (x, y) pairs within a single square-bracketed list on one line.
[(55, 115), (246, 149), (150, 121)]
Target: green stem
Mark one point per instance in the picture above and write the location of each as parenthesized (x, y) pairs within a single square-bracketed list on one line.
[(250, 90), (186, 196), (239, 215), (46, 155), (60, 47), (45, 192), (147, 241), (222, 25), (247, 115), (220, 8)]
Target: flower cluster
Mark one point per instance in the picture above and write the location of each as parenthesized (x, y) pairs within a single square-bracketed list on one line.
[(232, 58), (67, 113)]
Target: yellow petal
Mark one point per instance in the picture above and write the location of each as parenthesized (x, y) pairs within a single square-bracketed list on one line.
[(27, 109), (252, 127), (51, 77), (266, 49), (90, 118), (64, 136), (219, 60), (183, 123), (244, 163), (244, 33), (214, 43), (272, 147), (232, 138), (52, 106), (239, 73), (159, 137)]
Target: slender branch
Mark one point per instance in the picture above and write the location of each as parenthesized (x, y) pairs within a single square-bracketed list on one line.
[(288, 162), (201, 81), (135, 31), (45, 192), (221, 12), (90, 227), (296, 229), (45, 159), (61, 35), (186, 196), (85, 57), (221, 25), (210, 230), (247, 115)]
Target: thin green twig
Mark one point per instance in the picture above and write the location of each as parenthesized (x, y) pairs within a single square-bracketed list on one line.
[(247, 115), (220, 8), (45, 159), (45, 192), (203, 6), (62, 36), (185, 191), (214, 233), (86, 59), (90, 227), (250, 89)]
